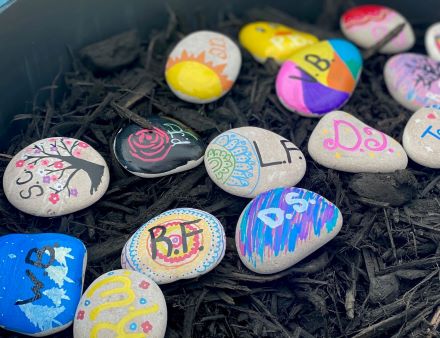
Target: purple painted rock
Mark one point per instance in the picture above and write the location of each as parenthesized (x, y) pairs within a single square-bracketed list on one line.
[(280, 227)]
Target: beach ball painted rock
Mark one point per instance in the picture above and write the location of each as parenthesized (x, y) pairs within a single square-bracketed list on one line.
[(413, 80), (203, 67), (319, 78), (178, 244), (41, 282), (368, 24), (342, 142), (166, 148), (121, 303), (272, 40), (432, 41), (280, 227), (421, 137), (55, 176), (249, 160)]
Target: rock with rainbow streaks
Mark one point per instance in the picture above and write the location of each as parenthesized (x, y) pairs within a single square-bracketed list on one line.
[(319, 78), (280, 227), (121, 303), (432, 41), (178, 244), (41, 282)]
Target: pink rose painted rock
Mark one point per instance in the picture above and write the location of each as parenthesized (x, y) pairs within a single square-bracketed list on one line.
[(413, 80), (367, 24)]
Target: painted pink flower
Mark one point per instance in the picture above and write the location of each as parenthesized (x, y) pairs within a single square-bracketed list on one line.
[(77, 153), (30, 166), (144, 284), (80, 315), (58, 165), (83, 145), (52, 139), (68, 142), (54, 178), (54, 198), (19, 164), (44, 162), (146, 326)]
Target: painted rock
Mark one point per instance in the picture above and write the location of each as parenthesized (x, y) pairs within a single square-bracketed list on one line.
[(368, 24), (166, 148), (342, 142), (55, 176), (280, 227), (432, 41), (413, 80), (319, 78), (178, 244), (271, 40), (247, 161), (121, 303), (203, 67), (41, 282), (421, 137)]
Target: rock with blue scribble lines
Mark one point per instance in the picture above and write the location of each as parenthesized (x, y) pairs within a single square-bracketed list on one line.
[(280, 227)]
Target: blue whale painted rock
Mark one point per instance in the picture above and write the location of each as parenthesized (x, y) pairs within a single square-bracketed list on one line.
[(41, 283), (280, 227)]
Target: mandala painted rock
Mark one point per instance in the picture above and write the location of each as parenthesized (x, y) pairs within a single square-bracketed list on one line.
[(41, 283), (178, 244), (342, 142), (280, 227), (421, 137), (166, 148), (247, 161), (55, 176), (413, 80), (432, 41), (368, 24), (203, 67), (121, 303), (271, 40), (319, 78)]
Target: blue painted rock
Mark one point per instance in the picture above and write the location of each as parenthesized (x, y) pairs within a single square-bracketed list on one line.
[(280, 227), (421, 137), (121, 303), (55, 176), (248, 160), (413, 80), (41, 282), (166, 148), (178, 244), (319, 78)]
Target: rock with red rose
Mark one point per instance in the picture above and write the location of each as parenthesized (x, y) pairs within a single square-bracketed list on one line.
[(55, 176), (166, 148), (121, 303)]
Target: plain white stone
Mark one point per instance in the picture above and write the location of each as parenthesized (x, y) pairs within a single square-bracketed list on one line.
[(342, 142), (249, 160), (421, 137), (432, 41), (121, 303), (55, 176), (178, 244)]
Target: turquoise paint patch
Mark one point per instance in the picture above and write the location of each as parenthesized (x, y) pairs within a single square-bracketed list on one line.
[(350, 54)]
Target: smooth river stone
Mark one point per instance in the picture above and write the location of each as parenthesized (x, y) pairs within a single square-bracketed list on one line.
[(342, 142), (41, 282), (168, 147), (421, 137), (203, 67), (366, 25), (413, 80), (280, 227), (272, 40), (178, 244), (121, 303), (247, 161), (432, 41), (55, 176), (319, 78)]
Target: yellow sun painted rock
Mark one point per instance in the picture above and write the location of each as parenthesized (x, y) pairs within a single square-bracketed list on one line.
[(271, 40), (203, 67)]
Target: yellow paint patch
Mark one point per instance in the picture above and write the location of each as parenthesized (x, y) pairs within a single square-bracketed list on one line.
[(338, 155)]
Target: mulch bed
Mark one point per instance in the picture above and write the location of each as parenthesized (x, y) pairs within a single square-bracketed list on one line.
[(378, 278)]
